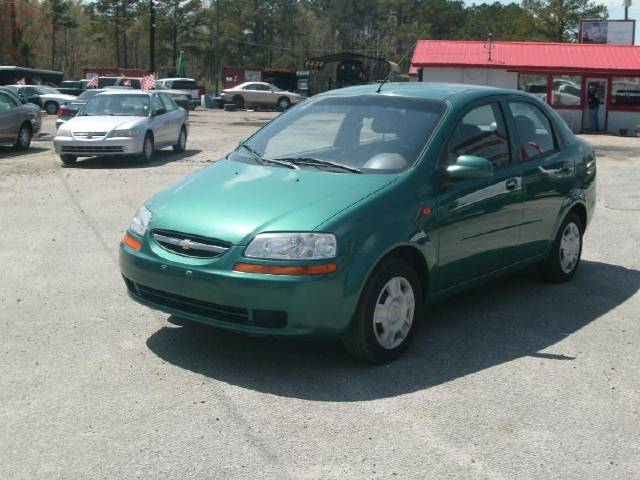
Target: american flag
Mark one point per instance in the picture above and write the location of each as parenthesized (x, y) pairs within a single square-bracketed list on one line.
[(21, 82), (93, 83), (148, 82)]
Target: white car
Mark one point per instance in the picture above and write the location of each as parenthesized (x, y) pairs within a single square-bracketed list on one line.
[(188, 86), (123, 122), (48, 98), (259, 93)]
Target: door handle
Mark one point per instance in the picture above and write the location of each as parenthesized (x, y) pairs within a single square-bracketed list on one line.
[(511, 183)]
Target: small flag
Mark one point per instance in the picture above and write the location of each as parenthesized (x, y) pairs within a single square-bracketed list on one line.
[(148, 82), (21, 82), (93, 83)]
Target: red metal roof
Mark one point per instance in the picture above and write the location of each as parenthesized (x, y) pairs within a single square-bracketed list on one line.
[(527, 56)]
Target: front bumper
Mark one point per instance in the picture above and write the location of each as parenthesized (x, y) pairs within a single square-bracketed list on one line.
[(100, 146), (209, 291)]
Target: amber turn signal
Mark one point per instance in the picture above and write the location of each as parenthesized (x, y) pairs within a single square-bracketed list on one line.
[(131, 242), (286, 269)]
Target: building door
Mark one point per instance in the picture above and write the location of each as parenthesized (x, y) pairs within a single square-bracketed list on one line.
[(598, 87)]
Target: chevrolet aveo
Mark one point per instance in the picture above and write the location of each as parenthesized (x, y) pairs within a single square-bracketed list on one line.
[(348, 214)]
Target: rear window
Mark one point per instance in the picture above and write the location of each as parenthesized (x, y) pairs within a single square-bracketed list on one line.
[(184, 85)]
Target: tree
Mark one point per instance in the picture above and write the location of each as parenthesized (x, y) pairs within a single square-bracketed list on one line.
[(58, 12), (558, 20)]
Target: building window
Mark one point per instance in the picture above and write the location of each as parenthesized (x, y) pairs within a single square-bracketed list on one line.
[(534, 84), (625, 92), (566, 90)]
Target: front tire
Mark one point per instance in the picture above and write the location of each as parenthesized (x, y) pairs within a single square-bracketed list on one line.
[(182, 141), (51, 108), (385, 320), (147, 149), (68, 160), (23, 141), (238, 101), (284, 103), (563, 260)]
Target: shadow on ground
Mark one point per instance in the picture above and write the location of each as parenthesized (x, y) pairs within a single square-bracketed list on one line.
[(10, 152), (161, 157), (510, 318)]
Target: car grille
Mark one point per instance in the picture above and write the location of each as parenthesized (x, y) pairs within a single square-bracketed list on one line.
[(89, 134), (95, 150), (190, 245), (201, 308)]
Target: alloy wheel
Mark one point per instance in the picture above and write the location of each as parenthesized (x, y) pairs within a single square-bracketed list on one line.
[(569, 247)]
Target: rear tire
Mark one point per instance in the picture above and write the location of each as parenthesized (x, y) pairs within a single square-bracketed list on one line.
[(564, 258), (51, 108), (23, 141), (68, 160), (182, 141), (389, 309), (147, 149)]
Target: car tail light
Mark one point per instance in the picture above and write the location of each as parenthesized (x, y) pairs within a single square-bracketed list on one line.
[(65, 112)]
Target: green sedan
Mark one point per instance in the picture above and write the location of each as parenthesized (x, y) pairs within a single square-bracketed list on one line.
[(348, 214)]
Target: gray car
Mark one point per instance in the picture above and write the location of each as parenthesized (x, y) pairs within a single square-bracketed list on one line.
[(18, 121), (123, 122)]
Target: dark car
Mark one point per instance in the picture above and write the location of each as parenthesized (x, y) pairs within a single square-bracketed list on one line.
[(71, 109)]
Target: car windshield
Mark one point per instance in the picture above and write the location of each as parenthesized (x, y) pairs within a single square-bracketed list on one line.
[(357, 134), (46, 90), (117, 105)]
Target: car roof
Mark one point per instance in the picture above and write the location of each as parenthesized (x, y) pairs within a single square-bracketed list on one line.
[(185, 79), (124, 91), (426, 90)]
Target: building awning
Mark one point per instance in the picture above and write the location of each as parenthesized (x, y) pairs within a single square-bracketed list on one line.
[(522, 56)]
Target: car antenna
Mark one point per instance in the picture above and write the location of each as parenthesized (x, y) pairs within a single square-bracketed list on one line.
[(386, 79)]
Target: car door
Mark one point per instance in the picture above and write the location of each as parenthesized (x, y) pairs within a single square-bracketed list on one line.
[(548, 173), (251, 94), (174, 118), (478, 220), (160, 121), (11, 118)]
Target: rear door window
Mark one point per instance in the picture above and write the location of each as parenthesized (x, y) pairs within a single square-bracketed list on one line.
[(481, 132), (535, 133)]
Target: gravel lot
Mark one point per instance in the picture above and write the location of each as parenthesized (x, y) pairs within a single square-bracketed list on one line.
[(517, 379)]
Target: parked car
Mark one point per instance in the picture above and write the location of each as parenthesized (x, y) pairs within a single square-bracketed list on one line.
[(19, 121), (70, 110), (259, 94), (186, 85), (182, 99), (123, 122), (345, 216), (47, 98), (73, 87)]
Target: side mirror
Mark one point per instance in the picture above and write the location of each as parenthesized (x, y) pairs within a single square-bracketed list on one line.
[(24, 100), (160, 111), (470, 166)]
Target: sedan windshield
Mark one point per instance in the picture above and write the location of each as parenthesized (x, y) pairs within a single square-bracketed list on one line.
[(117, 105), (347, 134)]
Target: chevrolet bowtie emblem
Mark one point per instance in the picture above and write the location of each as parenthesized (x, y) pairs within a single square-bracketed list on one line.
[(185, 244)]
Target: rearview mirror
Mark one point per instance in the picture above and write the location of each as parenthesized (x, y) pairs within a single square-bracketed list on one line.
[(160, 111), (470, 166)]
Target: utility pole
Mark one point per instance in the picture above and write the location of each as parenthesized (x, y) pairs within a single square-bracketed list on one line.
[(152, 36), (627, 4), (216, 63)]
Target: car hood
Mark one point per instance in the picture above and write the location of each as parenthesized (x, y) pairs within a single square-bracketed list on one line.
[(101, 123), (233, 201), (57, 96)]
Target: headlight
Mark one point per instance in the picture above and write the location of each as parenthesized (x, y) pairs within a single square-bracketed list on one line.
[(292, 246), (133, 132), (64, 132), (140, 221)]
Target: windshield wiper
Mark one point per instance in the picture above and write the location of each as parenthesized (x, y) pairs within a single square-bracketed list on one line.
[(317, 162), (264, 161)]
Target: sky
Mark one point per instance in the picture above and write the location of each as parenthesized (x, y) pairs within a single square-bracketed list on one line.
[(616, 10)]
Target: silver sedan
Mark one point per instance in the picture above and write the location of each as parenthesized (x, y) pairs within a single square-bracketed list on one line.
[(18, 121), (119, 122)]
